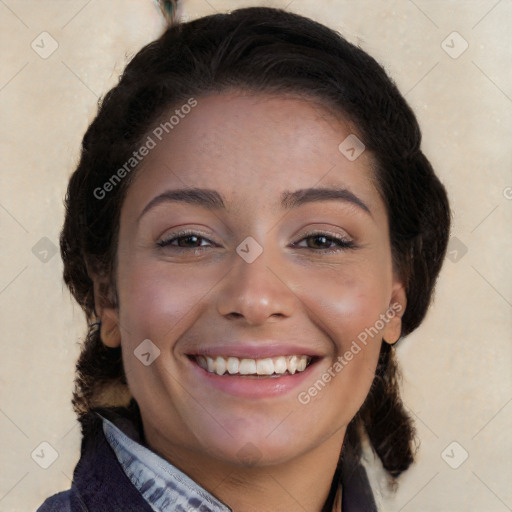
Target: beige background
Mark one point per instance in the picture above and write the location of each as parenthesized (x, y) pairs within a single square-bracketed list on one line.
[(457, 366)]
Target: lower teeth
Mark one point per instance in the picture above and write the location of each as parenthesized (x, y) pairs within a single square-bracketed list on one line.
[(253, 376)]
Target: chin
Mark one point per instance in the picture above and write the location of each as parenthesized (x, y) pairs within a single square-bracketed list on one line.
[(258, 440)]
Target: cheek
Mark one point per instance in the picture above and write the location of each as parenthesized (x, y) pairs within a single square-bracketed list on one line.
[(346, 302), (159, 303), (346, 305)]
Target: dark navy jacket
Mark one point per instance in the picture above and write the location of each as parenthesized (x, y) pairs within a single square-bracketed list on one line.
[(100, 483)]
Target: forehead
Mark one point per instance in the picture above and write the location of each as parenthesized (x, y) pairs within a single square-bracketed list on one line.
[(252, 147)]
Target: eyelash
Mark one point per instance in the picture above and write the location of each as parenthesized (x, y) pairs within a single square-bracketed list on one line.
[(343, 244)]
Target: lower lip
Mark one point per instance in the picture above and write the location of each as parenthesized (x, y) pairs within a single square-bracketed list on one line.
[(253, 387)]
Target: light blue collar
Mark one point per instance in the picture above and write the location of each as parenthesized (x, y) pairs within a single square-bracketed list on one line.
[(164, 487)]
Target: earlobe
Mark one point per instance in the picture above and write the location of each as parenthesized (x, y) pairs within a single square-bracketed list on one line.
[(393, 329), (107, 314)]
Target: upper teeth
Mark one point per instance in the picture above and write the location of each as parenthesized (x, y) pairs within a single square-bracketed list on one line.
[(266, 366)]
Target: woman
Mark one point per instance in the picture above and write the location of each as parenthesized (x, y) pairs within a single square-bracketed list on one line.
[(251, 228)]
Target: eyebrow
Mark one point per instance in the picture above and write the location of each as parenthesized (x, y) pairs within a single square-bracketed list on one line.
[(291, 200), (212, 200)]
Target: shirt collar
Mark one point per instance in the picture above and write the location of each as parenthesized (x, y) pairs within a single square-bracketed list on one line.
[(162, 485)]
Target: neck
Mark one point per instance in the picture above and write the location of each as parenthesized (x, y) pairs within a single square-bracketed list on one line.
[(302, 483)]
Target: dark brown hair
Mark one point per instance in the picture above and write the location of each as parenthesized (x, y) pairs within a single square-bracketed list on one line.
[(260, 50)]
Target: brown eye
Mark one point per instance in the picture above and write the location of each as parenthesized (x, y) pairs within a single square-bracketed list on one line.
[(184, 241), (323, 242), (188, 241), (319, 240)]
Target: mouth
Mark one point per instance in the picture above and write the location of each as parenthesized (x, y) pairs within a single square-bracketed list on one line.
[(268, 367), (253, 371)]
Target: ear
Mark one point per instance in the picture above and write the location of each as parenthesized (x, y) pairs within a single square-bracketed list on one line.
[(397, 304), (107, 312)]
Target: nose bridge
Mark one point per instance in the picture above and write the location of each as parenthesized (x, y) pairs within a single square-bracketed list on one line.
[(254, 289)]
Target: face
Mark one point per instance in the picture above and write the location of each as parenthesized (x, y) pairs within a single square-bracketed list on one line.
[(250, 246)]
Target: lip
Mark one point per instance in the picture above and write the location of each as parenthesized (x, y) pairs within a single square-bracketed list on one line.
[(252, 387)]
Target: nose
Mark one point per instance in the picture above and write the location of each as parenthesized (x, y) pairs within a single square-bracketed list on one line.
[(256, 292)]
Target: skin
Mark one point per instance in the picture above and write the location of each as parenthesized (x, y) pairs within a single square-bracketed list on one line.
[(251, 148)]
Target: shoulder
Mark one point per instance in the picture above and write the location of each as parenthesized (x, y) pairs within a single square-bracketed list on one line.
[(60, 502)]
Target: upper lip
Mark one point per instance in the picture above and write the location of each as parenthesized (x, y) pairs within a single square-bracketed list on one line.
[(254, 350)]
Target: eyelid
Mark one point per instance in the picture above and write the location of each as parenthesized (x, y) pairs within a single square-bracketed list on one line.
[(324, 231)]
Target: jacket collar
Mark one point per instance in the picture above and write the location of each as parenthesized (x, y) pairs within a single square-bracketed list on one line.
[(117, 472)]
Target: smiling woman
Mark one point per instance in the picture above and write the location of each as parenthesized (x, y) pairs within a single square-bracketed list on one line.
[(246, 282)]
